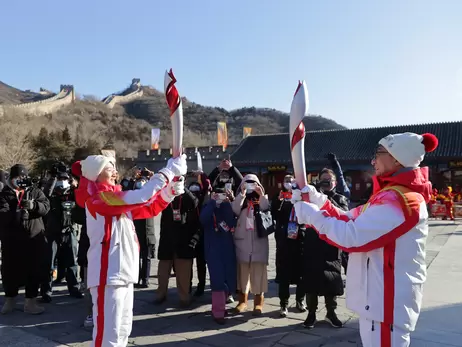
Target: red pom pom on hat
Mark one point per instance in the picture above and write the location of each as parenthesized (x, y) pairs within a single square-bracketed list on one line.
[(430, 142), (76, 169)]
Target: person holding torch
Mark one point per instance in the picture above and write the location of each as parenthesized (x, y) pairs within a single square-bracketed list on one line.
[(385, 238)]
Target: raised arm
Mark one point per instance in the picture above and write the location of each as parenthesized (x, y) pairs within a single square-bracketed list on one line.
[(237, 204), (380, 224)]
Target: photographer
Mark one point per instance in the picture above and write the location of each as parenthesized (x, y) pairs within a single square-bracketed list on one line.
[(23, 242), (62, 233)]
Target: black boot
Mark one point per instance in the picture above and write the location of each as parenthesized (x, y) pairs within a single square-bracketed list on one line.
[(310, 321), (332, 318)]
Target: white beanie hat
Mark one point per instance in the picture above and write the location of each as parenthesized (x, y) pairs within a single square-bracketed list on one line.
[(408, 148), (93, 165)]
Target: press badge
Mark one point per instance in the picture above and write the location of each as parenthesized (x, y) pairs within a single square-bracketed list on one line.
[(177, 215), (292, 231), (224, 226)]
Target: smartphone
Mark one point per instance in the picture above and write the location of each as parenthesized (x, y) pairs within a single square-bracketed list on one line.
[(228, 186)]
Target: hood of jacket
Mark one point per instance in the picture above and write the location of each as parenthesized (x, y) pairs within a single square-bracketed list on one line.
[(414, 179)]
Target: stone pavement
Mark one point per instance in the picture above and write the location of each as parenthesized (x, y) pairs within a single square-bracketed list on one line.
[(440, 323)]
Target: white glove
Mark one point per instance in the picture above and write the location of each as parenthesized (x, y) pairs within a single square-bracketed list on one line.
[(178, 165), (296, 196), (304, 211), (317, 198), (173, 189)]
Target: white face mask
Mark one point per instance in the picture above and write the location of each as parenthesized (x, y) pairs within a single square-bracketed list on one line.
[(288, 186), (62, 184)]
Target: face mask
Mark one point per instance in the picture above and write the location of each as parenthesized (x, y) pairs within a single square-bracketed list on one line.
[(224, 179), (62, 184), (288, 186), (250, 187), (194, 189), (326, 185)]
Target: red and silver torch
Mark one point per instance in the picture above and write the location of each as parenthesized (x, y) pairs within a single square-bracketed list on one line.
[(298, 111), (176, 112)]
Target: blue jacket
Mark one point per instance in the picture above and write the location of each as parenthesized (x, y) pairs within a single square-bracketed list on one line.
[(220, 255)]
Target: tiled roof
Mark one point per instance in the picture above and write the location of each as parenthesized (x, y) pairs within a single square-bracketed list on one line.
[(208, 153), (347, 144)]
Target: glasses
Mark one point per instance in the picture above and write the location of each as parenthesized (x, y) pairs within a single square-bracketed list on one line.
[(378, 153)]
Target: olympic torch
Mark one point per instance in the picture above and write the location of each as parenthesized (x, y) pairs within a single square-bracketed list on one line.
[(298, 111), (176, 112)]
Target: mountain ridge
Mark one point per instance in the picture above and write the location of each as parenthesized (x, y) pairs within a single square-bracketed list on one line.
[(129, 126)]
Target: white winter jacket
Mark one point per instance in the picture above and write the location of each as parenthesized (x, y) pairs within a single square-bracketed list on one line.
[(113, 256), (386, 240)]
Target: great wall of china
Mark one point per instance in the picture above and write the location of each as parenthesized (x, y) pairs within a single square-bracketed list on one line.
[(42, 107), (134, 92), (66, 96)]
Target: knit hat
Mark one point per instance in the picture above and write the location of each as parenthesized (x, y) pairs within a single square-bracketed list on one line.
[(93, 165), (408, 148), (18, 170)]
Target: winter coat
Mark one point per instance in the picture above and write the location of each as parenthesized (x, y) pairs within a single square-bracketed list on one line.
[(322, 264), (176, 235), (113, 256), (11, 227), (218, 223), (289, 252), (23, 242), (386, 241), (79, 217), (145, 228), (249, 247)]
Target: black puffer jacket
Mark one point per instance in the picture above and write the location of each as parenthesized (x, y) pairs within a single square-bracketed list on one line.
[(176, 235), (322, 262), (289, 252)]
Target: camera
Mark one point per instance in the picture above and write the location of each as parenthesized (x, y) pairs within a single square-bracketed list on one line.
[(60, 170)]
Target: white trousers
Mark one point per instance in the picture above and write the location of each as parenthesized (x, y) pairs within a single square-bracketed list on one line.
[(112, 315), (376, 334)]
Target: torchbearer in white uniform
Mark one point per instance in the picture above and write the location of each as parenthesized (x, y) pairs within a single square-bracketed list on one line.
[(385, 238), (113, 256)]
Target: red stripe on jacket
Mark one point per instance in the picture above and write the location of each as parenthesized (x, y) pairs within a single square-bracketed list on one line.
[(105, 246)]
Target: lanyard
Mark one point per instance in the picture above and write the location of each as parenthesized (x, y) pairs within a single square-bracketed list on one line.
[(20, 196), (292, 215), (215, 226), (179, 205)]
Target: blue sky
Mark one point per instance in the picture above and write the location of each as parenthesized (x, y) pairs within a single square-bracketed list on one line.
[(366, 63)]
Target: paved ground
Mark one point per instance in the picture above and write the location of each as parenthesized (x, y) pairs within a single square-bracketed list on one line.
[(440, 323)]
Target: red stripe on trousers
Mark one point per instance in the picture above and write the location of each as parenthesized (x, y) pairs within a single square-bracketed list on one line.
[(105, 245), (388, 294)]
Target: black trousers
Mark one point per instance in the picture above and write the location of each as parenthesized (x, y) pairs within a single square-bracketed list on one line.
[(312, 302), (66, 256), (284, 293), (147, 252), (201, 266), (23, 264)]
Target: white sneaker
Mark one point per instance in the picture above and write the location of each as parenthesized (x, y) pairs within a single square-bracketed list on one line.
[(283, 312), (88, 322)]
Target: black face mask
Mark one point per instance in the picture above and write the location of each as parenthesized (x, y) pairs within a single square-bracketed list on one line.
[(325, 184), (22, 182)]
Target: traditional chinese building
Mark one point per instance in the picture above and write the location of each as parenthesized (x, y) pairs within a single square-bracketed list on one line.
[(269, 155), (211, 156)]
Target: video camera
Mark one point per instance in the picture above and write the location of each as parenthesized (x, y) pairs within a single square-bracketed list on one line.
[(59, 169)]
